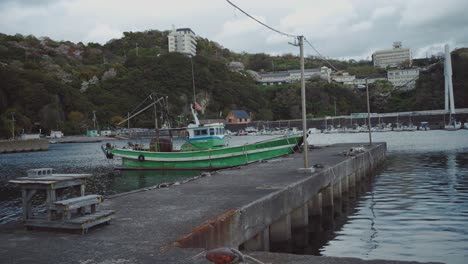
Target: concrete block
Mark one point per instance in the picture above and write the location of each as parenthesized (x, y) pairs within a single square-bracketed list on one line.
[(280, 231), (300, 217), (260, 242)]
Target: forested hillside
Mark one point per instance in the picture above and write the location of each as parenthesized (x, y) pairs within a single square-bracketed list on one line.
[(54, 85)]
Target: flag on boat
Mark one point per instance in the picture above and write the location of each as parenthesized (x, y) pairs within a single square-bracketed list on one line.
[(197, 107)]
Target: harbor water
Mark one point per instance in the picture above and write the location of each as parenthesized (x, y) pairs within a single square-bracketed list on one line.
[(416, 207)]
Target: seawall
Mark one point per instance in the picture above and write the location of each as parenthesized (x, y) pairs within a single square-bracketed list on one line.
[(254, 208), (10, 146)]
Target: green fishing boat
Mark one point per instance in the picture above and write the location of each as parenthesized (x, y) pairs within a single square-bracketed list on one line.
[(203, 148)]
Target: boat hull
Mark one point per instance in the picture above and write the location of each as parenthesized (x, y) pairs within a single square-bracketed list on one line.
[(211, 159)]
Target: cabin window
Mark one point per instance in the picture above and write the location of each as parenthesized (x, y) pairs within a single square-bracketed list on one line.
[(201, 132), (212, 131)]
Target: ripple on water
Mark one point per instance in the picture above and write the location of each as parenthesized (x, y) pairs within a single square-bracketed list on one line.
[(417, 210)]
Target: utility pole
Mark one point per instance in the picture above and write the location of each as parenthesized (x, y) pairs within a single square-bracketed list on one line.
[(13, 125), (136, 46), (94, 119), (304, 114), (335, 106), (128, 120), (368, 113), (303, 97)]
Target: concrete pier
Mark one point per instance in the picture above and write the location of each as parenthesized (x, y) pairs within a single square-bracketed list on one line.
[(29, 145), (250, 208)]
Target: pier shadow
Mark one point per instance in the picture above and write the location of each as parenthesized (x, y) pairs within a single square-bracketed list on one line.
[(324, 228)]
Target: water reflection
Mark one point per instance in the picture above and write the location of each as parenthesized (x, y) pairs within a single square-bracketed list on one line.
[(128, 180), (417, 210)]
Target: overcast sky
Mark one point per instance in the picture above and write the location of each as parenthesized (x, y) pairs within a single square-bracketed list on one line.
[(337, 28)]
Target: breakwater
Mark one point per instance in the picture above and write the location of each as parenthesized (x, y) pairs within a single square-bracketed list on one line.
[(435, 119), (11, 146), (310, 203), (251, 207)]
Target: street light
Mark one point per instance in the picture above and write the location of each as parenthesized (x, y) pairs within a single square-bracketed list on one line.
[(13, 125)]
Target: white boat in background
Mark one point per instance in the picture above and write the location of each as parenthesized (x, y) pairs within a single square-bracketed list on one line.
[(55, 134), (313, 131), (251, 131), (424, 126), (330, 130), (398, 127), (465, 125), (453, 125), (410, 127)]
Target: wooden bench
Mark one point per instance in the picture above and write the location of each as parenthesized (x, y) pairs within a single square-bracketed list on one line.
[(82, 223), (66, 207)]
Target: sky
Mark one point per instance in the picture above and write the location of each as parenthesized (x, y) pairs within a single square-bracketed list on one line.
[(340, 29)]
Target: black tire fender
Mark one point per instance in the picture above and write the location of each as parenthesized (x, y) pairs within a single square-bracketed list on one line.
[(141, 158)]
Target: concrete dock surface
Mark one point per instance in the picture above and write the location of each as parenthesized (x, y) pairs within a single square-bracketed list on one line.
[(151, 224)]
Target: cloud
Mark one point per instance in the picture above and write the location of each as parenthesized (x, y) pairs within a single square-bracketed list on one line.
[(433, 49), (322, 19), (361, 26), (381, 12), (102, 33), (421, 12), (274, 39), (239, 26), (337, 28)]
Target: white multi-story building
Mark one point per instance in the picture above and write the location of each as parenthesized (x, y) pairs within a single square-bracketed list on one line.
[(404, 79), (344, 78), (392, 57), (182, 40), (292, 76), (360, 82)]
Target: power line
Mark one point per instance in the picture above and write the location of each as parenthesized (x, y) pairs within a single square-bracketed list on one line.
[(323, 57), (258, 21), (282, 33)]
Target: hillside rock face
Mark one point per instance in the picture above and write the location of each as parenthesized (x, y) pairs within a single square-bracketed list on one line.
[(109, 74), (86, 84)]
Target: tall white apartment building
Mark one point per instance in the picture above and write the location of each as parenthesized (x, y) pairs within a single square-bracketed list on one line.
[(392, 57), (182, 40)]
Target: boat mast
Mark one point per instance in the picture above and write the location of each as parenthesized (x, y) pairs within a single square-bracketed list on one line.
[(194, 114), (449, 99), (195, 117)]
